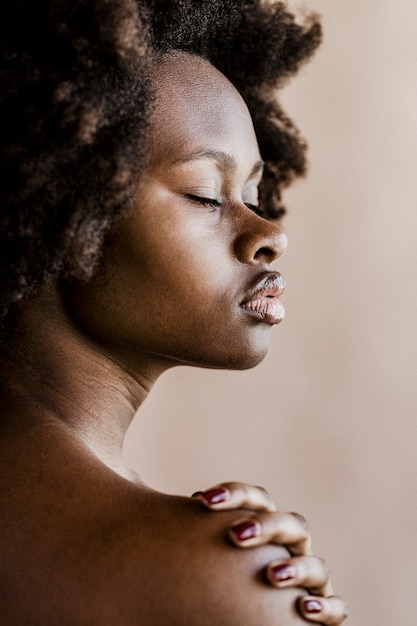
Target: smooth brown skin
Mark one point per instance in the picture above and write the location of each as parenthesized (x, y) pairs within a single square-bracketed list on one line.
[(82, 540)]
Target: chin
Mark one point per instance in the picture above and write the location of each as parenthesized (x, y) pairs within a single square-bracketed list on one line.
[(248, 362), (234, 360), (250, 353), (238, 352)]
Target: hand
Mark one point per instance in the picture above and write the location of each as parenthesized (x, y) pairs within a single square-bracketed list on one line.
[(302, 569)]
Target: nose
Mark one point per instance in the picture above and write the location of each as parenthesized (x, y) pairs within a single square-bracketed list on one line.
[(260, 242)]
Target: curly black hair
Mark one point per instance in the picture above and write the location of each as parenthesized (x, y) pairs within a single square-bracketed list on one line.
[(75, 102)]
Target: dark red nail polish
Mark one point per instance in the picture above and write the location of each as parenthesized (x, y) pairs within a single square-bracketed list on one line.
[(215, 496), (245, 530), (312, 606), (283, 572)]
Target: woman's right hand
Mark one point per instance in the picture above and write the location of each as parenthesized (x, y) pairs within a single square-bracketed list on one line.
[(301, 569)]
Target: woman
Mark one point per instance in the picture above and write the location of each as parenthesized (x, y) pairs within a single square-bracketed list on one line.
[(133, 240)]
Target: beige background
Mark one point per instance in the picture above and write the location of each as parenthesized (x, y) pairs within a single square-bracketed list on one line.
[(328, 422)]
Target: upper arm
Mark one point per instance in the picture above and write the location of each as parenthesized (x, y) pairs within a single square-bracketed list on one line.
[(191, 575), (119, 556), (228, 585)]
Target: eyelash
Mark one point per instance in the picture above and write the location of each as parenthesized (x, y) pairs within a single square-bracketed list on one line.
[(215, 204), (210, 202)]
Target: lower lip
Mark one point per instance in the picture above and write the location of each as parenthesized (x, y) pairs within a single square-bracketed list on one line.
[(268, 310)]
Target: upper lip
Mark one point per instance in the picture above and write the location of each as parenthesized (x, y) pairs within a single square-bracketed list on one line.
[(268, 285)]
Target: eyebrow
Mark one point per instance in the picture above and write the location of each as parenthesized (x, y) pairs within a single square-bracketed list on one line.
[(224, 160)]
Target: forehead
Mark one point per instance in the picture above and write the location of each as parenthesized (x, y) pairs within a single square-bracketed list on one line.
[(197, 108)]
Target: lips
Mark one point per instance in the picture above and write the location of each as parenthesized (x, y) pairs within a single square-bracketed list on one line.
[(263, 302)]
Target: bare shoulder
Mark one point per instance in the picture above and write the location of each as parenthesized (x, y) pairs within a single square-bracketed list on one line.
[(101, 551), (179, 568)]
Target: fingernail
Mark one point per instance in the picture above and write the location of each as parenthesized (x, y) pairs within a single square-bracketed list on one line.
[(245, 530), (312, 606), (283, 572), (214, 496)]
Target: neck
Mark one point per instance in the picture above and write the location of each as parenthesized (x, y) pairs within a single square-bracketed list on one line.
[(53, 373)]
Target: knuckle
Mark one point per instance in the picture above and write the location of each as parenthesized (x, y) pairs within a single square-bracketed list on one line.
[(338, 609), (342, 606), (265, 496), (301, 520), (324, 566), (263, 492)]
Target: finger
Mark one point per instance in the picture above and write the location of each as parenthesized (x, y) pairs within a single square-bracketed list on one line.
[(327, 611), (309, 572), (281, 528), (234, 495)]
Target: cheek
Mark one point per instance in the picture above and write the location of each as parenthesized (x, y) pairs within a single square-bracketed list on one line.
[(172, 257), (170, 278)]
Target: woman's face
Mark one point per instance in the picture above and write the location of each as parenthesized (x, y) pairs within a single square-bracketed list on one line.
[(188, 271)]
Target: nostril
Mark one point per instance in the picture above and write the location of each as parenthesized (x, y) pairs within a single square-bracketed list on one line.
[(265, 253), (261, 246)]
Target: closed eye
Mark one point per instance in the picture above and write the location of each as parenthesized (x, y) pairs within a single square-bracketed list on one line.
[(208, 202), (215, 204)]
